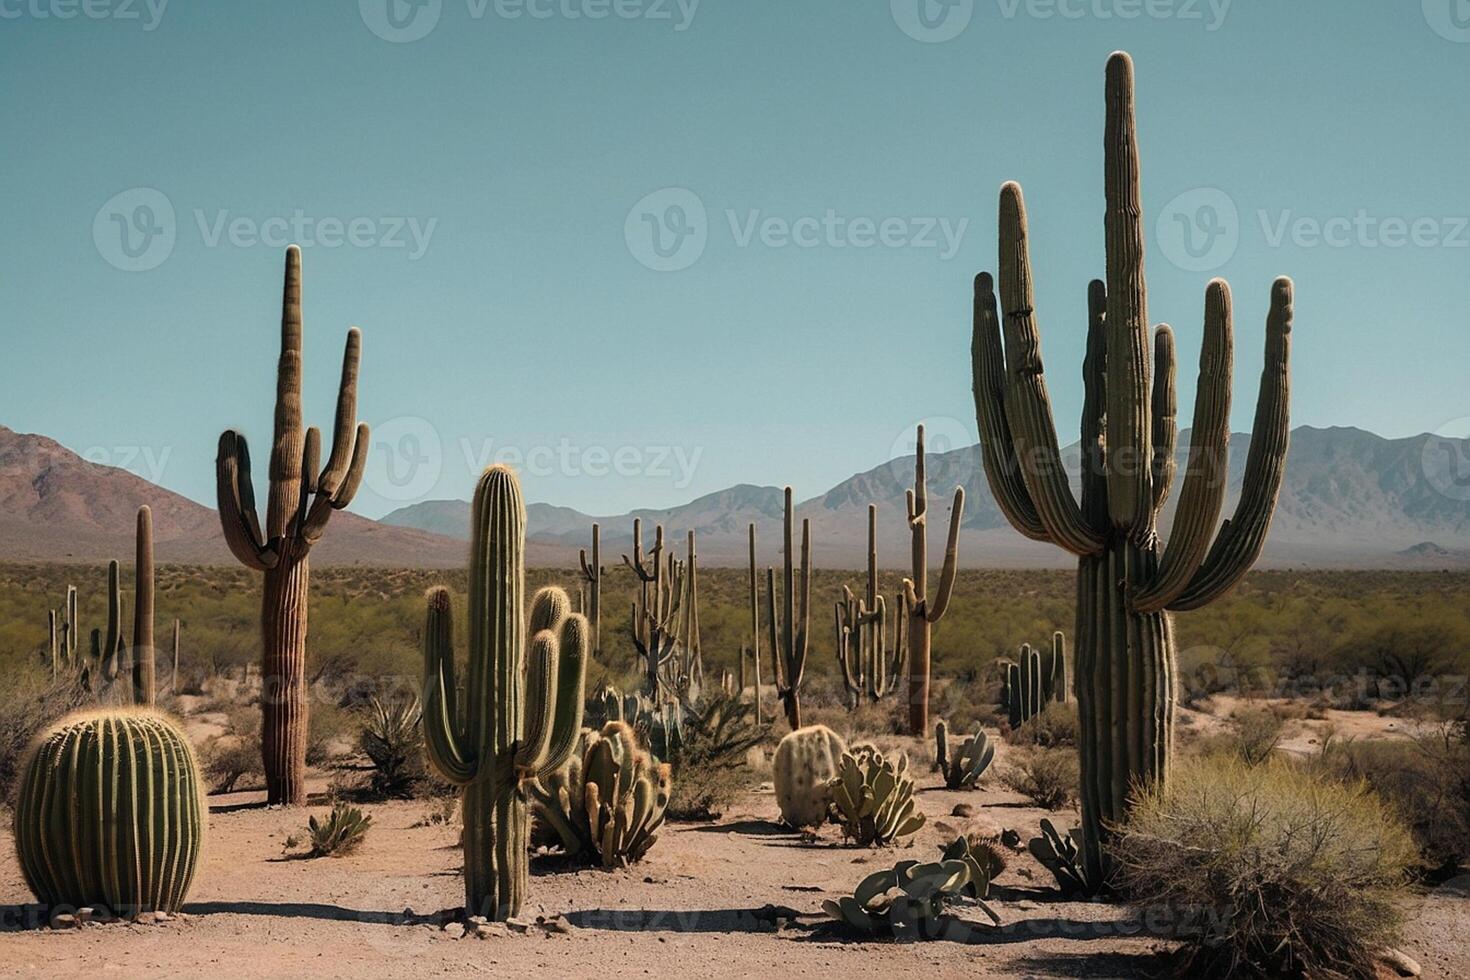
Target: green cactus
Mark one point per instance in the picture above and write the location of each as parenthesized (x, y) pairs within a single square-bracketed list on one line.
[(144, 653), (755, 634), (109, 814), (1127, 582), (790, 624), (664, 626), (874, 797), (607, 804), (109, 655), (920, 612), (805, 762), (302, 499), (869, 672), (522, 704), (964, 769), (592, 574), (1058, 853), (911, 899)]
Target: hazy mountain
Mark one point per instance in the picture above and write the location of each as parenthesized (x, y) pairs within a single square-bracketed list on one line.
[(1350, 499)]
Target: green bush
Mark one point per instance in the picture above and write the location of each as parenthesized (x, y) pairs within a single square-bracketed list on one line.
[(1268, 869), (393, 741), (340, 833)]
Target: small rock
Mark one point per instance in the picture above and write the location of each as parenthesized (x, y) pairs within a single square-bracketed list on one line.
[(1011, 839), (559, 924), (1399, 962), (962, 810), (64, 920), (162, 917), (517, 925), (87, 915)]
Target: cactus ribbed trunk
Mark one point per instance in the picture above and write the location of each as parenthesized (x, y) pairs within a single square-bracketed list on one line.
[(283, 681), (144, 651), (1125, 688)]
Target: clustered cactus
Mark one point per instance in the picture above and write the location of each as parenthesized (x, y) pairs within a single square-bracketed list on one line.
[(911, 899), (110, 814), (302, 499), (664, 626), (1034, 681), (869, 672), (607, 804), (806, 762), (1127, 583), (874, 797), (790, 624), (520, 711), (109, 674), (963, 769)]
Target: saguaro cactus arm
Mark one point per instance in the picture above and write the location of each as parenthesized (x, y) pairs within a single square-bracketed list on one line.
[(236, 496), (1166, 410), (444, 732), (1241, 538)]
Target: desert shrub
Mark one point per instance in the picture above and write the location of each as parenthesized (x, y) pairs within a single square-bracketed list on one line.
[(1054, 728), (29, 701), (1267, 869), (340, 833), (227, 759), (1427, 782), (328, 728), (1046, 777), (1254, 734), (709, 763), (393, 741)]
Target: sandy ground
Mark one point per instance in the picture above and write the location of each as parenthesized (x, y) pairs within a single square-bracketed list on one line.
[(705, 902)]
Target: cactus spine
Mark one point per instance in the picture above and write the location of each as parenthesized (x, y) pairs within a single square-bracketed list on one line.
[(302, 499), (868, 673), (1126, 588), (592, 574), (522, 705), (922, 614), (788, 629), (109, 814)]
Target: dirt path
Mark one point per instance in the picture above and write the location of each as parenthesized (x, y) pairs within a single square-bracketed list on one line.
[(697, 903)]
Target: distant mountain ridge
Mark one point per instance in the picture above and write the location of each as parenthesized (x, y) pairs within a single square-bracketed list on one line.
[(1350, 499)]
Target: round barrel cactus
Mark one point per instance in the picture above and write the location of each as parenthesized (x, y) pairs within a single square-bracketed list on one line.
[(109, 814)]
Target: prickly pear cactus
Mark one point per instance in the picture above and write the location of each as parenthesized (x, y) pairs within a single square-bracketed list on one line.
[(963, 769), (109, 814), (874, 797), (806, 761)]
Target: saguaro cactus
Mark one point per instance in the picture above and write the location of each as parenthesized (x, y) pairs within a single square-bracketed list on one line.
[(922, 613), (110, 814), (301, 502), (522, 705), (788, 628), (592, 573), (868, 673), (1125, 678), (755, 634), (144, 652)]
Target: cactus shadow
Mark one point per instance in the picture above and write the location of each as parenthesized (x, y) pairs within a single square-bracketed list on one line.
[(750, 827), (318, 910), (1097, 965), (766, 919)]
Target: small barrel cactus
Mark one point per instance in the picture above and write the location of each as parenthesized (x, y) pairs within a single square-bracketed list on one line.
[(874, 797), (109, 814), (608, 803), (806, 761), (964, 769)]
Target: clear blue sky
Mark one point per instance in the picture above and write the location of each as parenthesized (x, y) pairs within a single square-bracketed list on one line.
[(519, 146)]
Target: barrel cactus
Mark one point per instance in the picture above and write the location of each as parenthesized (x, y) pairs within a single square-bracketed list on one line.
[(1128, 583), (806, 760), (110, 815), (521, 709), (963, 769), (608, 803), (874, 797)]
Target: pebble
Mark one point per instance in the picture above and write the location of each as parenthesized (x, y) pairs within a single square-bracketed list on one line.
[(962, 810), (1399, 962)]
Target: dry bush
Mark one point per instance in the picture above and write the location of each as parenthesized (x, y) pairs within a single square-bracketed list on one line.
[(1251, 735), (1268, 869), (1046, 777), (228, 758), (29, 701), (1054, 728)]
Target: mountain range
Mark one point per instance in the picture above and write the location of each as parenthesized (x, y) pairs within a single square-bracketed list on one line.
[(1351, 499)]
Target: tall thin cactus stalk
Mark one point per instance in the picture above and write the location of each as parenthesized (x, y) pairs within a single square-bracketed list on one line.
[(755, 633), (144, 652), (592, 574), (789, 626), (520, 712), (868, 670), (1128, 582), (921, 611), (302, 499)]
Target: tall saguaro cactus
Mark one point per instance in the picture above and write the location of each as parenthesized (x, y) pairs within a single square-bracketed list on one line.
[(923, 613), (755, 633), (144, 652), (868, 673), (592, 574), (521, 711), (302, 499), (1128, 583), (790, 624)]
